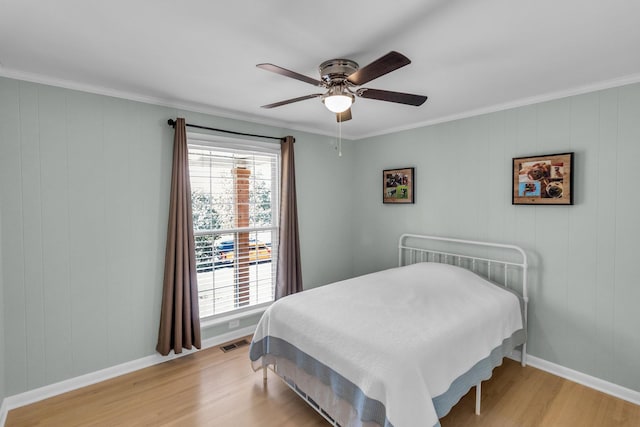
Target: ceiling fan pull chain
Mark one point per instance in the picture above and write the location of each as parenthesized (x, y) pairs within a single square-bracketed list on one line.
[(339, 138)]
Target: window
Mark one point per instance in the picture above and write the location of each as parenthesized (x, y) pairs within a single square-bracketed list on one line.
[(234, 192)]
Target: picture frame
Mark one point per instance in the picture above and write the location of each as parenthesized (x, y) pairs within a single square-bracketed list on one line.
[(543, 180), (398, 186)]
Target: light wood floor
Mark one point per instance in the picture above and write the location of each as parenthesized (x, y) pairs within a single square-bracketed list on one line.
[(212, 388)]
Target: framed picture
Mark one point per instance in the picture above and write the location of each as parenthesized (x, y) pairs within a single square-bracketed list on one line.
[(543, 180), (398, 186)]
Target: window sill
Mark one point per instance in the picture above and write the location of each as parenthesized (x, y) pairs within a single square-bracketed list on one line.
[(222, 319)]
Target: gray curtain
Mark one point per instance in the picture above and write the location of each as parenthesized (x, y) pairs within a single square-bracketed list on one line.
[(289, 271), (179, 318)]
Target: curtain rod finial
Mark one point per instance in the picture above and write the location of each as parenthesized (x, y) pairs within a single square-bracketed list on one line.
[(171, 122)]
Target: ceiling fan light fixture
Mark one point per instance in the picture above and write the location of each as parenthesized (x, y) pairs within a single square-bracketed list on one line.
[(338, 103), (338, 100)]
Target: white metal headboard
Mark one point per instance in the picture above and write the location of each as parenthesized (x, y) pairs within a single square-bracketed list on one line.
[(414, 248)]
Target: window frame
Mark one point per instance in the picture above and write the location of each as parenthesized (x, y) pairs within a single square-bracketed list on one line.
[(238, 145)]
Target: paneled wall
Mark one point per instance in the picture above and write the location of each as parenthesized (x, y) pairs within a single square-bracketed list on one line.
[(584, 279), (84, 188), (2, 321), (83, 205)]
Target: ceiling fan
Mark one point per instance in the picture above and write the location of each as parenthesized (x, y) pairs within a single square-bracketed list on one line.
[(341, 78)]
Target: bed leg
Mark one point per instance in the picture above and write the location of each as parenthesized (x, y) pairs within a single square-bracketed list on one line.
[(478, 393), (264, 375), (524, 355)]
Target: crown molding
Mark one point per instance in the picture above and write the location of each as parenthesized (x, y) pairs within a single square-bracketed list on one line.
[(551, 96), (162, 102), (245, 117)]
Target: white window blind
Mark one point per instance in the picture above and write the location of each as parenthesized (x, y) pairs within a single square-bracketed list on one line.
[(234, 191)]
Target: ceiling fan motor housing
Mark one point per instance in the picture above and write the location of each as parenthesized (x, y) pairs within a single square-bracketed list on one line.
[(336, 71)]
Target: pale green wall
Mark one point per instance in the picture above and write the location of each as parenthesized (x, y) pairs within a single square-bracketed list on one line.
[(584, 277), (84, 185), (83, 199), (2, 321)]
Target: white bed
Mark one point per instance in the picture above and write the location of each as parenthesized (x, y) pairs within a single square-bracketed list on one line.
[(401, 346)]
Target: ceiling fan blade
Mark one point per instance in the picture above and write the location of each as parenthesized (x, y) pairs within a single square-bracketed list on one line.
[(386, 95), (381, 66), (344, 116), (292, 100), (288, 73)]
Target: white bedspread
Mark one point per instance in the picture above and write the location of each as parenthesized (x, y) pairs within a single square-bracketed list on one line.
[(401, 335)]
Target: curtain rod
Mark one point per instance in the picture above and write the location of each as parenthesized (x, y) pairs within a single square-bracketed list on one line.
[(172, 123)]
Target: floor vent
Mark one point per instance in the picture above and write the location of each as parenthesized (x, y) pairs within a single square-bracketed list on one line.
[(233, 345)]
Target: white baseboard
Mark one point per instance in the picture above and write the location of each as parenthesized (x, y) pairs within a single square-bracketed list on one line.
[(3, 412), (578, 377), (586, 380), (55, 389), (45, 392)]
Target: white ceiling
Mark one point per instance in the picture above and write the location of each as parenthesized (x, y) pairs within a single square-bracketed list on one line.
[(468, 56)]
